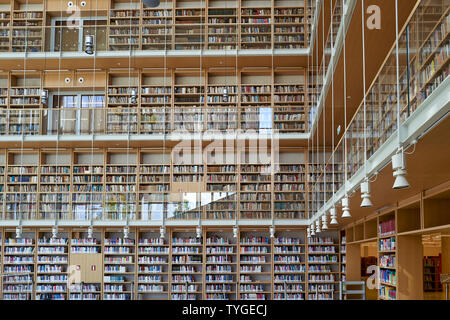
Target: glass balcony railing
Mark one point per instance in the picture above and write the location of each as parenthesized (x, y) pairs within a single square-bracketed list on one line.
[(148, 121), (423, 65)]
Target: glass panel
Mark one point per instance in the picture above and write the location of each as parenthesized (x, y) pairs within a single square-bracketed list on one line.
[(66, 38)]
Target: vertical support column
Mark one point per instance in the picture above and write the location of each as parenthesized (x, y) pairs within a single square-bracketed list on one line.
[(445, 249), (409, 267), (353, 262)]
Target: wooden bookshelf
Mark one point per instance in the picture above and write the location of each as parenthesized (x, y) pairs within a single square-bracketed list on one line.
[(154, 184), (289, 24), (121, 185), (5, 24), (290, 109), (156, 102), (144, 266), (289, 260), (343, 255), (223, 30), (432, 268), (429, 66), (52, 266), (221, 265), (190, 20), (256, 24), (22, 185), (255, 191), (27, 32), (145, 184), (187, 267), (119, 266), (174, 25), (165, 101), (55, 185), (124, 22), (88, 185), (158, 27), (255, 265), (323, 266), (153, 266), (387, 256), (19, 258)]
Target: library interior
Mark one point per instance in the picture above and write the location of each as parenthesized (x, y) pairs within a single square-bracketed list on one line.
[(224, 150)]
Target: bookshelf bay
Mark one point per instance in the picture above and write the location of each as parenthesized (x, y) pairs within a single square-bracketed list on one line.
[(144, 266)]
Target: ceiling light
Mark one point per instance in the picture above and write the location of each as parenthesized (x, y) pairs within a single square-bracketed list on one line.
[(318, 226), (133, 99), (18, 232), (333, 216), (272, 231), (90, 233), (365, 194), (225, 94), (324, 222), (44, 97), (235, 231), (162, 231), (345, 208), (126, 232), (399, 167), (54, 232), (198, 230)]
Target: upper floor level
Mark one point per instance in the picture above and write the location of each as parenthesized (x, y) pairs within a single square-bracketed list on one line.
[(62, 26)]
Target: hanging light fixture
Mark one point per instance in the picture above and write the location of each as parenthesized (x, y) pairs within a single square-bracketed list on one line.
[(313, 233), (235, 231), (151, 3), (272, 231), (44, 97), (399, 167), (162, 232), (365, 194), (54, 232), (89, 44), (198, 230), (318, 226), (345, 207), (18, 232), (308, 232), (324, 222), (333, 216), (126, 232), (133, 99), (90, 232), (225, 94)]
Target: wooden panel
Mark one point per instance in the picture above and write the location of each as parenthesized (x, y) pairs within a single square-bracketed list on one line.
[(445, 248), (58, 5), (359, 232), (370, 229), (353, 262), (410, 274), (408, 220), (436, 212), (86, 261), (349, 235), (93, 272), (88, 79), (58, 79), (93, 5)]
